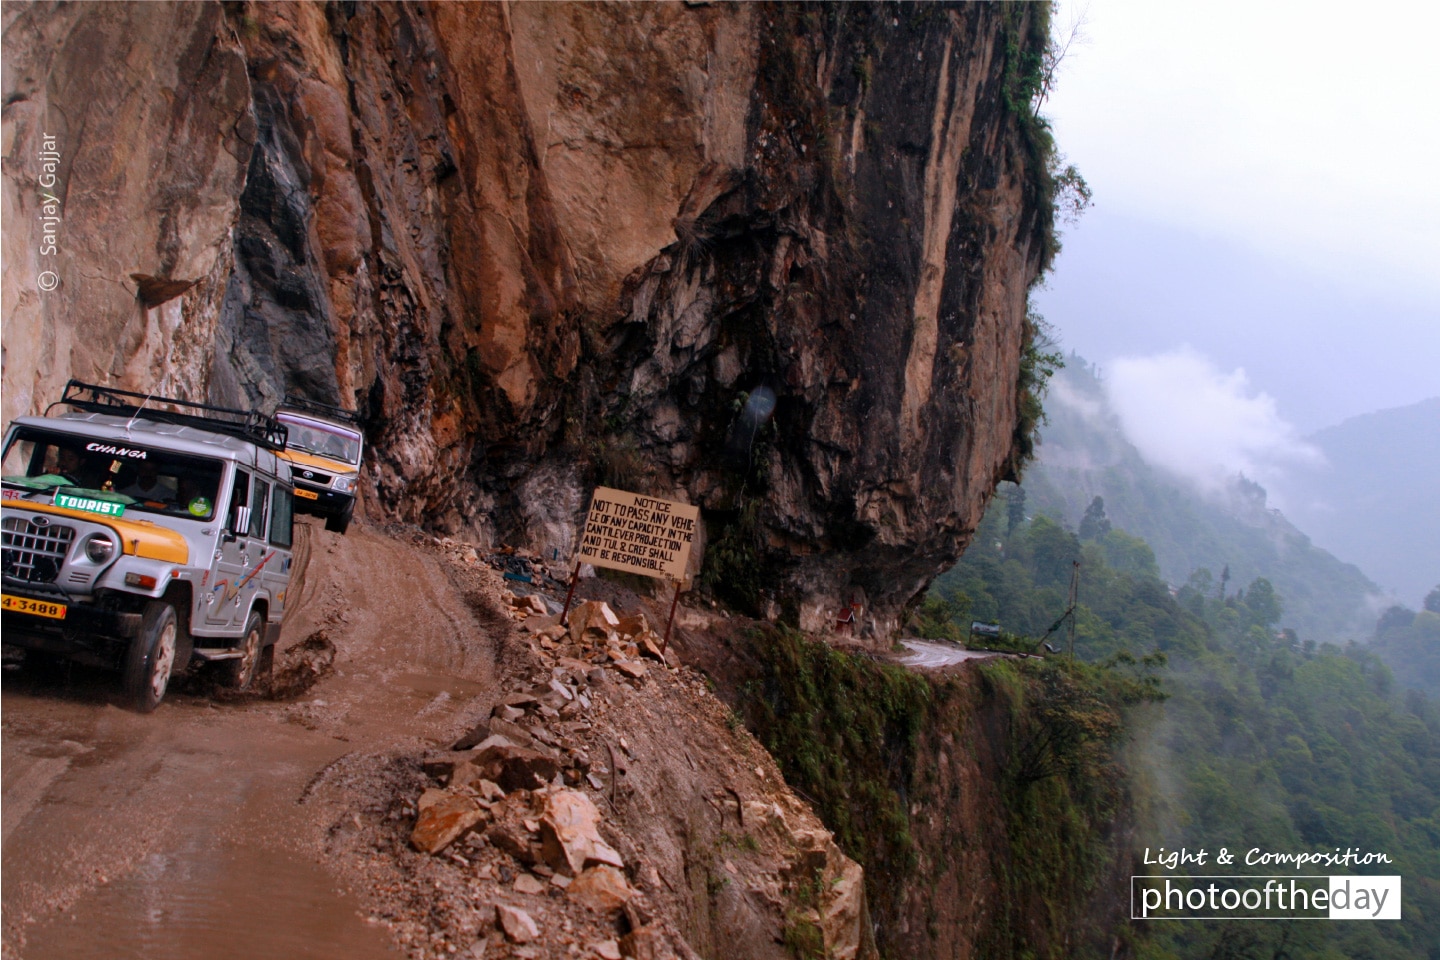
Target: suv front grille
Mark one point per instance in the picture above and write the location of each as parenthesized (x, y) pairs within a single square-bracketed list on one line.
[(35, 548), (312, 476)]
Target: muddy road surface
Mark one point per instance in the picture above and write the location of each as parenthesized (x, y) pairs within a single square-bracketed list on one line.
[(187, 832), (932, 655)]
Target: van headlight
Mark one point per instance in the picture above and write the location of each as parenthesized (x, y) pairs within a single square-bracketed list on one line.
[(99, 548), (345, 484)]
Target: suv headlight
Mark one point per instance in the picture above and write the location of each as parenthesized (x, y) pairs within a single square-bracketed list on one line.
[(345, 484), (99, 548)]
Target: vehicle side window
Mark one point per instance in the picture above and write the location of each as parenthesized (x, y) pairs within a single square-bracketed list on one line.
[(20, 459), (257, 509), (239, 497), (280, 520)]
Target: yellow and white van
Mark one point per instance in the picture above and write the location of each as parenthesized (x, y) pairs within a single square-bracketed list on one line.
[(325, 448)]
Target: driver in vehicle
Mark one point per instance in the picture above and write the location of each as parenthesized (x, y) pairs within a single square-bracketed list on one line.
[(68, 463)]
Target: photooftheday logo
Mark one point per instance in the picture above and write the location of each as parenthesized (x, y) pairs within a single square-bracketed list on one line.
[(1264, 898)]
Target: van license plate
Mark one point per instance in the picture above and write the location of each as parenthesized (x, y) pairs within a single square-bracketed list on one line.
[(39, 608), (307, 494)]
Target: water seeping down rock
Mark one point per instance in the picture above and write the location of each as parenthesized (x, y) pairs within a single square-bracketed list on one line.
[(770, 259)]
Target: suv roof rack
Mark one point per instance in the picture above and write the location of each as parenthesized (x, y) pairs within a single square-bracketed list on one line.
[(303, 405), (250, 425)]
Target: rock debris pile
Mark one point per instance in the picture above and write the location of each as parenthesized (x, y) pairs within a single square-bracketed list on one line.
[(506, 788), (607, 806)]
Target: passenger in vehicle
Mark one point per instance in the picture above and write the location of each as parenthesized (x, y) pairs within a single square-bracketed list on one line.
[(147, 484)]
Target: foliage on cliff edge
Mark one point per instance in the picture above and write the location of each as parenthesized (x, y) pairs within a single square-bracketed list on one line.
[(858, 737)]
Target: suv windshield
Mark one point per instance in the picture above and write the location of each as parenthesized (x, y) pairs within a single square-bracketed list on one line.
[(321, 438), (137, 476)]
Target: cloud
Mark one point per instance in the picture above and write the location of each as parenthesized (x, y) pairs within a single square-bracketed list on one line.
[(1185, 415), (1062, 392)]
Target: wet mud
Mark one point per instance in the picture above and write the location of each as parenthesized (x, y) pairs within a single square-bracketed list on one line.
[(187, 832)]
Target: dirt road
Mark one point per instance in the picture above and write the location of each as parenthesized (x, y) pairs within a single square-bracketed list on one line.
[(930, 655), (185, 833)]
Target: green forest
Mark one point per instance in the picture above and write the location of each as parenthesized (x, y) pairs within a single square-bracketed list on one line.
[(1263, 738), (1085, 454)]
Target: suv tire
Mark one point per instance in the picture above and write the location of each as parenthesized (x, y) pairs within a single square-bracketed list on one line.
[(151, 657), (341, 521), (239, 674)]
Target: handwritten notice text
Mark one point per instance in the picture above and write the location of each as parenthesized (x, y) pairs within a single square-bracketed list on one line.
[(645, 535)]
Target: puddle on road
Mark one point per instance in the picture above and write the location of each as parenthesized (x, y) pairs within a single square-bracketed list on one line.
[(196, 831), (432, 684), (232, 904)]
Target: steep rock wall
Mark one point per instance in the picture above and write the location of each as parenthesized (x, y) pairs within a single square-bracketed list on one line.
[(768, 259), (126, 134)]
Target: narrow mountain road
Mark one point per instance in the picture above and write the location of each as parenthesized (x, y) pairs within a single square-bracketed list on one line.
[(184, 833), (932, 655)]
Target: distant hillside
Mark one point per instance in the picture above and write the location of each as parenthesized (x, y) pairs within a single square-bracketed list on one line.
[(1377, 499), (1084, 454)]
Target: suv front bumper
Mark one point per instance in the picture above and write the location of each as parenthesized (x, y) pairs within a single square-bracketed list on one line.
[(87, 627), (321, 501)]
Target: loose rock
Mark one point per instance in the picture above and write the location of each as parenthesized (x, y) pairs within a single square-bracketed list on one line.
[(646, 943), (630, 668), (526, 883), (594, 617), (569, 834), (442, 820), (515, 768), (649, 644), (602, 889), (518, 926)]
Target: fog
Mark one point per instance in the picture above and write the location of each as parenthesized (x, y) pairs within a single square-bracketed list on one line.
[(1188, 416), (1260, 194)]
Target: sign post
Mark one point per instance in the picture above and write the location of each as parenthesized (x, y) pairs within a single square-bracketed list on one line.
[(638, 534)]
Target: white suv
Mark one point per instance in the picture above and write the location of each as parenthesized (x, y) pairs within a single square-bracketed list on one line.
[(141, 532)]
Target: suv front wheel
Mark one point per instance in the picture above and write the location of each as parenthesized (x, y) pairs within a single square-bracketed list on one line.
[(151, 657), (341, 521)]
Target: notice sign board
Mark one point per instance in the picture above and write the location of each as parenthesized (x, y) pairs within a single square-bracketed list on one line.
[(645, 535)]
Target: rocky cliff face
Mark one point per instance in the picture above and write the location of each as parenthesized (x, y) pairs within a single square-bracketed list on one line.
[(772, 260), (987, 826)]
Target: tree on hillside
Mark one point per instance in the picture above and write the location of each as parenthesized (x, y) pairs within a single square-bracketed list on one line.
[(1261, 604), (1409, 643), (1053, 550), (1394, 620), (1095, 524), (1015, 509)]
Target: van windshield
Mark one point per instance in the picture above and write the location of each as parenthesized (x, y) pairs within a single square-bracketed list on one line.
[(109, 476), (321, 438)]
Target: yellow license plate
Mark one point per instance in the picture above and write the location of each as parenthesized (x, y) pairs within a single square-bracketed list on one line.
[(307, 494), (39, 608)]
